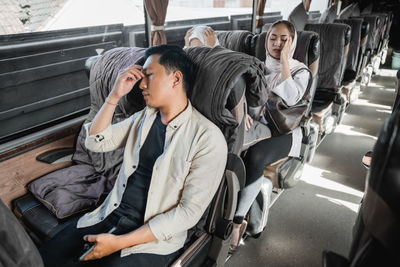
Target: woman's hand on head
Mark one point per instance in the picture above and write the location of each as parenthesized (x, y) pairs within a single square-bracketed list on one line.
[(188, 33), (286, 50), (126, 79), (249, 122), (209, 37)]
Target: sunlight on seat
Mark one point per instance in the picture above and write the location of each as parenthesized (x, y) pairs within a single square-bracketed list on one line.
[(347, 204), (313, 175)]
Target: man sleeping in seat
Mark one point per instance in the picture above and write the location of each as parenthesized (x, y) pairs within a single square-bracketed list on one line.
[(174, 161)]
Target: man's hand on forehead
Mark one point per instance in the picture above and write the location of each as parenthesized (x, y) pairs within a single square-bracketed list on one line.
[(126, 79)]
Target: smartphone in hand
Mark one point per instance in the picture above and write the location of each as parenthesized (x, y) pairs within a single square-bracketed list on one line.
[(90, 249)]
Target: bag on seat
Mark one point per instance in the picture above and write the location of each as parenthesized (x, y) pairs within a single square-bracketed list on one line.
[(282, 118)]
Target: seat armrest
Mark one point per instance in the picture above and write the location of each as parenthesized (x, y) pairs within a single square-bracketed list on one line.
[(56, 155), (331, 259)]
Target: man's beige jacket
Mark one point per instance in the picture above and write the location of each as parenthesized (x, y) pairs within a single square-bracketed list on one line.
[(184, 180)]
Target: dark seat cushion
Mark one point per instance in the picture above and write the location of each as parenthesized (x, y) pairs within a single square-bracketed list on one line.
[(322, 99), (38, 218)]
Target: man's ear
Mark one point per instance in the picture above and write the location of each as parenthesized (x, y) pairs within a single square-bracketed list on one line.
[(178, 78)]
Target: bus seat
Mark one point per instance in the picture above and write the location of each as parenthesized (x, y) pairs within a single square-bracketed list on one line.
[(44, 225), (350, 74), (211, 247), (299, 17), (307, 51), (286, 172), (371, 46), (376, 234), (235, 40), (18, 247), (396, 105), (356, 10), (347, 12), (266, 27), (329, 104), (34, 214), (329, 15), (362, 60), (385, 45)]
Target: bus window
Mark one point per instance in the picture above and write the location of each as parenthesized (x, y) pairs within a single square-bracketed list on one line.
[(63, 14), (193, 9), (276, 5)]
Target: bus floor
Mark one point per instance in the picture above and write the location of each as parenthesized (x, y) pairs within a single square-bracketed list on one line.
[(319, 212)]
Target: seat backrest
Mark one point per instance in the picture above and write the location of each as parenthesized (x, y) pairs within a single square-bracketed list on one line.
[(329, 15), (334, 43), (308, 52), (383, 23), (363, 46), (352, 57), (103, 74), (396, 105), (258, 46), (347, 12), (299, 17), (235, 40), (391, 16), (307, 48), (356, 10), (16, 247), (377, 231), (373, 22)]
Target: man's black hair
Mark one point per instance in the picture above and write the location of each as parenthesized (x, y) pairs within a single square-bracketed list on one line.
[(173, 58)]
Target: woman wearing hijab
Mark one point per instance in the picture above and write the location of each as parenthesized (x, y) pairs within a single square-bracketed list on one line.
[(201, 36), (287, 78)]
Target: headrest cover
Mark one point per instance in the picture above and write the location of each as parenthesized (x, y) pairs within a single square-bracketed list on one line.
[(235, 40), (197, 32), (299, 17), (352, 56), (332, 57)]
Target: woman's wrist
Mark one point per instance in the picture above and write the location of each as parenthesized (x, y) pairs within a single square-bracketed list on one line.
[(112, 100)]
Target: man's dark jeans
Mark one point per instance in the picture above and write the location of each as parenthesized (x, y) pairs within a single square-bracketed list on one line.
[(66, 247)]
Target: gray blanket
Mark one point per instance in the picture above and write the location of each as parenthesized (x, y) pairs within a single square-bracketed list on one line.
[(218, 69), (102, 78), (81, 186)]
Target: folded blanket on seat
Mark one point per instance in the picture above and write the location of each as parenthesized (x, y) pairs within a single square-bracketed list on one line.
[(70, 190), (219, 69)]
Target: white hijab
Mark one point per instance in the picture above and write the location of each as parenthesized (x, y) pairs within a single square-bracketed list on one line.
[(274, 66), (198, 33)]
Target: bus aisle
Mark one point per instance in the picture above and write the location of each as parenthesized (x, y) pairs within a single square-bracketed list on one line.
[(319, 212)]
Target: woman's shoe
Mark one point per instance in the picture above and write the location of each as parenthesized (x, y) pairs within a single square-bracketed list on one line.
[(366, 160), (237, 233)]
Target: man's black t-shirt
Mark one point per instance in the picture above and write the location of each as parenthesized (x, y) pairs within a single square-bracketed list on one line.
[(133, 203)]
